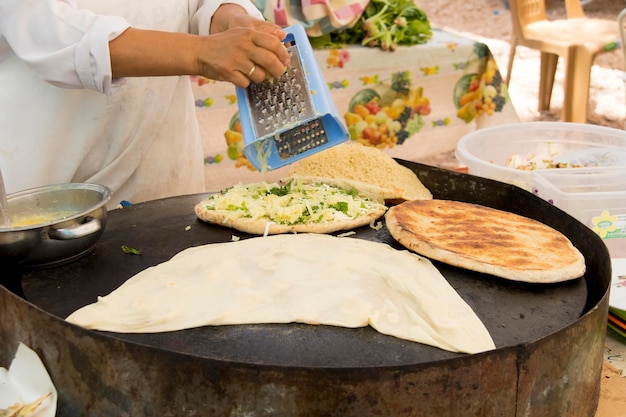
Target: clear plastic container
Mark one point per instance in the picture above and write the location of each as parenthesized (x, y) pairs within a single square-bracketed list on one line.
[(594, 196), (511, 152)]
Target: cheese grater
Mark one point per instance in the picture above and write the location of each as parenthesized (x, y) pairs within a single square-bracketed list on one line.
[(287, 118)]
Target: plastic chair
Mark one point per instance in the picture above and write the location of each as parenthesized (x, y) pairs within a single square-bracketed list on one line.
[(577, 39)]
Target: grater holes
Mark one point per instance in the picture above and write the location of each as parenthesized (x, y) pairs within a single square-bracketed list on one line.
[(300, 139), (279, 103)]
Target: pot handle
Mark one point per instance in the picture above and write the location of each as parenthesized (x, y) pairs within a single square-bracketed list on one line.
[(92, 225)]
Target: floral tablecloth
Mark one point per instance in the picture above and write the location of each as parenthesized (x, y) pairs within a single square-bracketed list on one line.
[(413, 103)]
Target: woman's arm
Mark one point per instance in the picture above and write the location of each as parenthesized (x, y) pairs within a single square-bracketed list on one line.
[(76, 48), (238, 42), (225, 56)]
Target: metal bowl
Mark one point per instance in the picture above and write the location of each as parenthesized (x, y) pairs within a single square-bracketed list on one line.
[(54, 224)]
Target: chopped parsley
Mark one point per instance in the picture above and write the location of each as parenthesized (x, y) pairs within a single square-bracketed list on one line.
[(131, 251), (341, 206)]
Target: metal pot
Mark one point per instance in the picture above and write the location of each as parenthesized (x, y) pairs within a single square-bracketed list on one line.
[(54, 224)]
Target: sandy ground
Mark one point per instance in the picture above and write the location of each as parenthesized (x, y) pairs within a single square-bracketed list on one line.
[(490, 21)]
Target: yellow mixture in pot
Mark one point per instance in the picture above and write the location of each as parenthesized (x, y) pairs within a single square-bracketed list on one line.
[(31, 219)]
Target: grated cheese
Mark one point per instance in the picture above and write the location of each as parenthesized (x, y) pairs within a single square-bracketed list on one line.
[(267, 228), (346, 234), (263, 150), (293, 203), (376, 225)]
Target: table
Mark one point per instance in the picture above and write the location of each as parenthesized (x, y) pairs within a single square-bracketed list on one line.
[(451, 84)]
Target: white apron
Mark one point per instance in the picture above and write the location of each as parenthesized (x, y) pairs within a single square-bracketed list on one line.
[(143, 142)]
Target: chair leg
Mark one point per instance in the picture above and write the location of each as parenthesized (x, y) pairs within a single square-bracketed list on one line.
[(546, 79), (577, 83), (509, 67)]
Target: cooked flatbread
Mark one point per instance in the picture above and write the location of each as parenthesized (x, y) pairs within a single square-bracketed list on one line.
[(304, 278), (486, 240), (305, 205), (356, 162)]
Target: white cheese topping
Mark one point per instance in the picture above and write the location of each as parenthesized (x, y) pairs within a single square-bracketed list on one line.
[(294, 203)]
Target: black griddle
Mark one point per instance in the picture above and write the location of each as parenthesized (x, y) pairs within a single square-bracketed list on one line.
[(513, 312), (550, 338)]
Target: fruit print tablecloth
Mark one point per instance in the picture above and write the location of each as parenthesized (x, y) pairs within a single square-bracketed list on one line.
[(413, 103)]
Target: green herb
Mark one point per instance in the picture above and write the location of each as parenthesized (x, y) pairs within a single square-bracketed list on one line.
[(281, 191), (341, 206), (129, 250), (385, 24)]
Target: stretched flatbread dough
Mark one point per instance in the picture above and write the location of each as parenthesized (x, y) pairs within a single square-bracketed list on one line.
[(305, 278)]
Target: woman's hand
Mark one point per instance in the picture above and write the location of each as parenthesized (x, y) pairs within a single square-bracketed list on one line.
[(252, 48), (241, 55), (229, 16)]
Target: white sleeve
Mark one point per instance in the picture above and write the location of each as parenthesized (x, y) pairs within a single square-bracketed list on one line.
[(66, 46), (204, 9)]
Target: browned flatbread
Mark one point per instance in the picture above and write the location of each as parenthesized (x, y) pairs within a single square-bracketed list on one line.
[(486, 240), (252, 208)]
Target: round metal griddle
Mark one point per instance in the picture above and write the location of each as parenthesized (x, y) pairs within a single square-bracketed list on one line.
[(512, 312), (297, 369)]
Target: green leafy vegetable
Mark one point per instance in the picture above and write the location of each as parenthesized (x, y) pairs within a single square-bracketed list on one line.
[(341, 206), (281, 191), (129, 250), (385, 24)]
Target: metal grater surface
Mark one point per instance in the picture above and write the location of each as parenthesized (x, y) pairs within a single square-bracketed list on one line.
[(301, 138), (279, 102)]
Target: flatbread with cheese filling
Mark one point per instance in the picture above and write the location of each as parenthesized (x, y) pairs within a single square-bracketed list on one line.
[(305, 205), (303, 278), (486, 240)]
